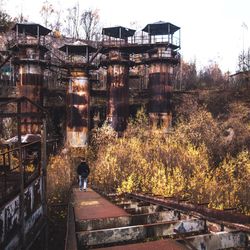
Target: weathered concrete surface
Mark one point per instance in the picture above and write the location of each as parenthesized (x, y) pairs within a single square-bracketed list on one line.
[(135, 207), (143, 209), (153, 245), (102, 223), (90, 205), (112, 222), (221, 240), (136, 233)]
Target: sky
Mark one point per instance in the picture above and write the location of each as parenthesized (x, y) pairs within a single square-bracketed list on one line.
[(211, 30)]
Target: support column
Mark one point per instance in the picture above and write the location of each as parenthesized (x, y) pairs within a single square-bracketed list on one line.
[(160, 87), (118, 104), (21, 172), (29, 84), (78, 100)]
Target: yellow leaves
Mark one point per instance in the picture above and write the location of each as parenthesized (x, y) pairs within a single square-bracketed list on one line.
[(159, 164), (172, 164), (230, 183), (60, 174), (127, 186), (30, 168), (159, 181)]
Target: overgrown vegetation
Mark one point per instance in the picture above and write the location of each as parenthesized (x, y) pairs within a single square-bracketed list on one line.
[(61, 176), (197, 160)]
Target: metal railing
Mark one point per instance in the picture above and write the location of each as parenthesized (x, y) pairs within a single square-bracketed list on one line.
[(141, 39), (26, 40), (31, 160)]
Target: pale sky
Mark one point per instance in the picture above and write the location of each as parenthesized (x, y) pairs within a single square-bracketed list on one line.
[(210, 29)]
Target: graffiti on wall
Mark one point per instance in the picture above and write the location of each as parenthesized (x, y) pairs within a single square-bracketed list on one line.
[(10, 214)]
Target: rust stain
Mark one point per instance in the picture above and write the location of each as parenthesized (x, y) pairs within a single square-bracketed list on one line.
[(89, 203), (118, 105), (29, 85), (78, 109), (160, 87)]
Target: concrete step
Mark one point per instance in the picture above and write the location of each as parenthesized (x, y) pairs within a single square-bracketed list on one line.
[(123, 221), (138, 233)]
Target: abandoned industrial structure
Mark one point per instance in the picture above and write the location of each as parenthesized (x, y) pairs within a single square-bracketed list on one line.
[(53, 91), (75, 86)]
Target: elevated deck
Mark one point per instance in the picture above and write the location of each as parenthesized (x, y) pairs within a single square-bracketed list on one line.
[(93, 221), (118, 222), (90, 205)]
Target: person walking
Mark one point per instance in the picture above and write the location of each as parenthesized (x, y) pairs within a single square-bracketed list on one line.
[(83, 173)]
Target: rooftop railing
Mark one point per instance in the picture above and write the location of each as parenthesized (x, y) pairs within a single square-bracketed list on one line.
[(142, 39), (26, 41)]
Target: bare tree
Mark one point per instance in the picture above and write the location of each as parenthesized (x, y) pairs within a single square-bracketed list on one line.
[(212, 76), (90, 23), (57, 21), (46, 12), (21, 18), (244, 61), (188, 75), (5, 18), (73, 22)]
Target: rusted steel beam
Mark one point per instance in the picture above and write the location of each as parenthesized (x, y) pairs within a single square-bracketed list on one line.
[(21, 170), (23, 115), (5, 101), (207, 213), (182, 236), (96, 54), (220, 240), (23, 146), (122, 221), (43, 173), (138, 233), (5, 61)]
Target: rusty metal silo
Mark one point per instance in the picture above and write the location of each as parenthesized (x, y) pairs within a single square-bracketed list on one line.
[(30, 85), (29, 50), (117, 62), (160, 88), (162, 58), (78, 93)]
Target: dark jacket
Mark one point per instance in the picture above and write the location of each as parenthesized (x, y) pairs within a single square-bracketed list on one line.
[(83, 169)]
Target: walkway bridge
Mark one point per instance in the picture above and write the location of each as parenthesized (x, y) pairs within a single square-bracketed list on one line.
[(142, 221)]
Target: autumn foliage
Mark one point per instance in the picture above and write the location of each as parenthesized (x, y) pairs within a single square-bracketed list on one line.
[(188, 162)]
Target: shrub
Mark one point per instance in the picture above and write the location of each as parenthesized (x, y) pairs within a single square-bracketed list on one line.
[(177, 164)]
